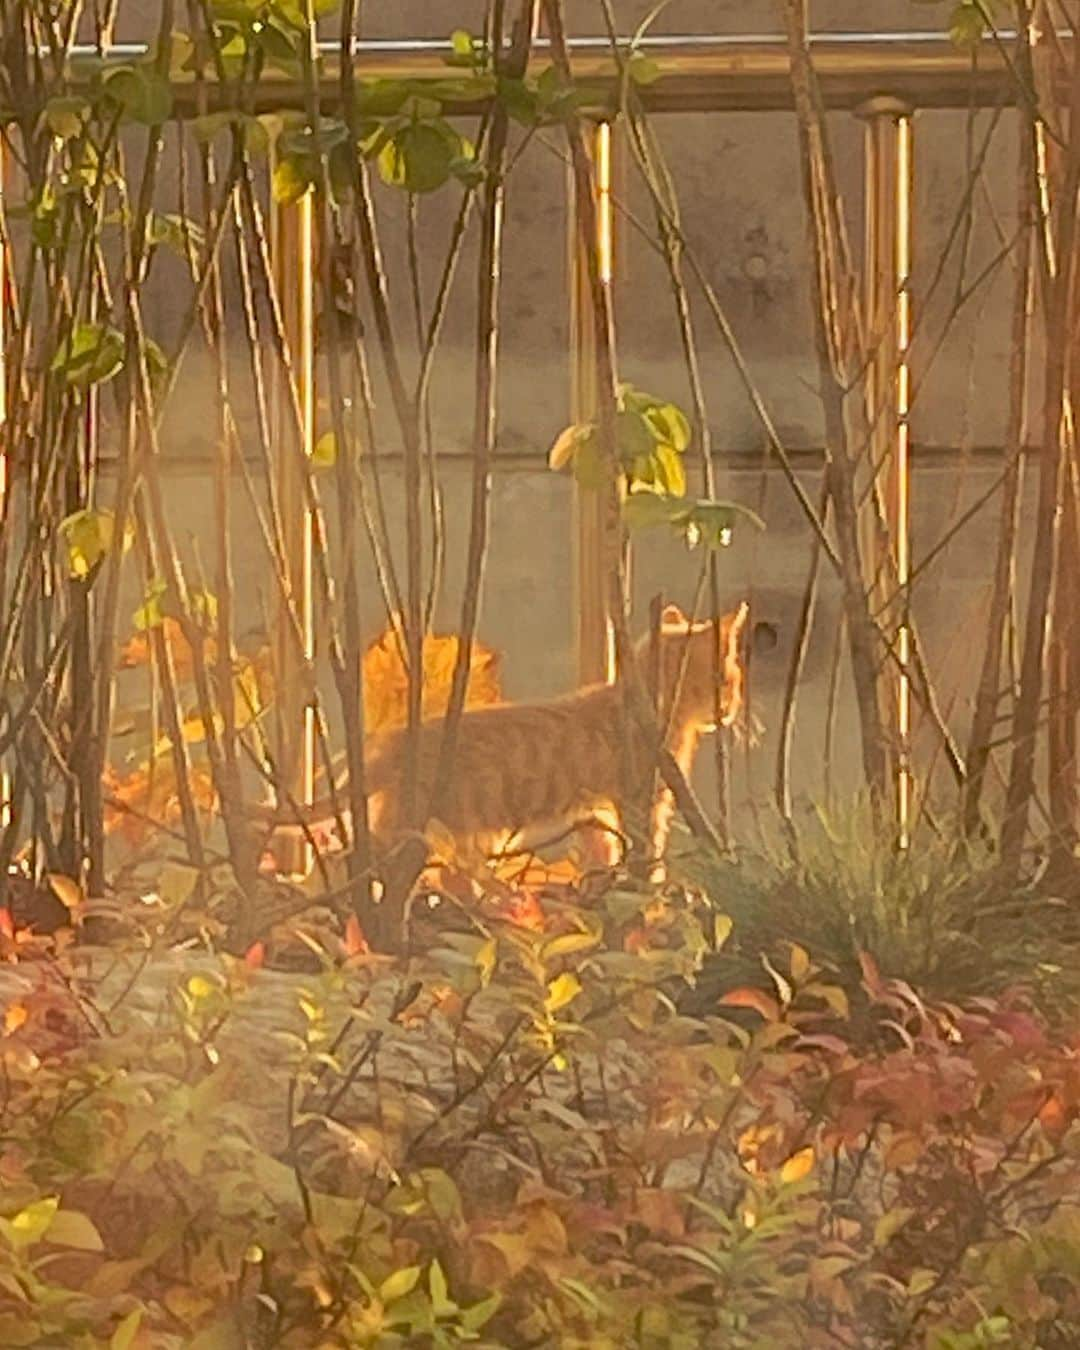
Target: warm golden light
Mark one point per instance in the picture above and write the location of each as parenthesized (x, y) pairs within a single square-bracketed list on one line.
[(293, 243), (605, 252), (5, 783), (903, 468), (305, 253), (604, 239)]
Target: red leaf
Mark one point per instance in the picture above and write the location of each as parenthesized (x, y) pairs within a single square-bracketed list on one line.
[(7, 925), (875, 986), (255, 956), (755, 999), (355, 942), (1054, 1118)]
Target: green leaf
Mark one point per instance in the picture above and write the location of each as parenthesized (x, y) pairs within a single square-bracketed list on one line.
[(634, 435), (143, 95), (647, 510), (293, 179), (966, 25), (472, 1319), (88, 535), (70, 1228), (441, 1303), (157, 365), (305, 141), (461, 42), (66, 117), (713, 522), (150, 613), (177, 233), (399, 1284), (381, 98), (324, 455), (32, 1223), (590, 470), (643, 70), (256, 132), (91, 354), (208, 126), (568, 943), (520, 102), (125, 1333), (418, 157), (890, 1224)]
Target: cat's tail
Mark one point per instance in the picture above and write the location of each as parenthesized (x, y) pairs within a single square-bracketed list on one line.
[(332, 807)]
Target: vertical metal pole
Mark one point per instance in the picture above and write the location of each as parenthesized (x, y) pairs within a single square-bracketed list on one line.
[(594, 636), (888, 327), (292, 242)]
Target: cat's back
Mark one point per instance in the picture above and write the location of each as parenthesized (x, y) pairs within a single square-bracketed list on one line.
[(518, 763)]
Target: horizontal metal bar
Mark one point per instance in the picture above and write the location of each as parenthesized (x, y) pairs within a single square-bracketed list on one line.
[(698, 74)]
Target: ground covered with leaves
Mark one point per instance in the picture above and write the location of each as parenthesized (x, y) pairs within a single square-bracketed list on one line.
[(544, 1128)]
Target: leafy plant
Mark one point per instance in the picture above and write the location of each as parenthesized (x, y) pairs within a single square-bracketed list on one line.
[(652, 438), (944, 924), (513, 1138)]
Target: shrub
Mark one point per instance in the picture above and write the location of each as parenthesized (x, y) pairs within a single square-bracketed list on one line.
[(516, 1139), (933, 917)]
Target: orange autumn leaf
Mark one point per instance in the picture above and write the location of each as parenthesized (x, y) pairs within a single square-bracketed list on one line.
[(7, 926), (1054, 1118), (137, 801), (15, 1015), (386, 685), (798, 1166), (755, 999), (136, 651), (255, 956)]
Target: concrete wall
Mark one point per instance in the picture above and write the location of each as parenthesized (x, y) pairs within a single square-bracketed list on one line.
[(737, 176)]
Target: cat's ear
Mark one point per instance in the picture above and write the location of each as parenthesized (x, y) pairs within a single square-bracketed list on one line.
[(673, 617)]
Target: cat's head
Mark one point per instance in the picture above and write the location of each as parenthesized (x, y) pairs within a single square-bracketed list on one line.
[(693, 656)]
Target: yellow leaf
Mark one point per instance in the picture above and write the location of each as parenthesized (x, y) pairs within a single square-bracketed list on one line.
[(324, 453), (567, 441), (199, 987), (569, 942), (15, 1016), (125, 1333), (399, 1284), (833, 996), (485, 958), (561, 991), (67, 891), (799, 1165), (800, 962)]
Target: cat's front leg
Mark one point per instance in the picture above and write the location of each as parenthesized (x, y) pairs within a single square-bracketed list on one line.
[(601, 842)]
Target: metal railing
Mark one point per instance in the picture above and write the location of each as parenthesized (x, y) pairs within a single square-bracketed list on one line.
[(698, 74)]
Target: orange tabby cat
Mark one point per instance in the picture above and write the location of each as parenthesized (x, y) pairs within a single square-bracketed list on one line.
[(531, 769)]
